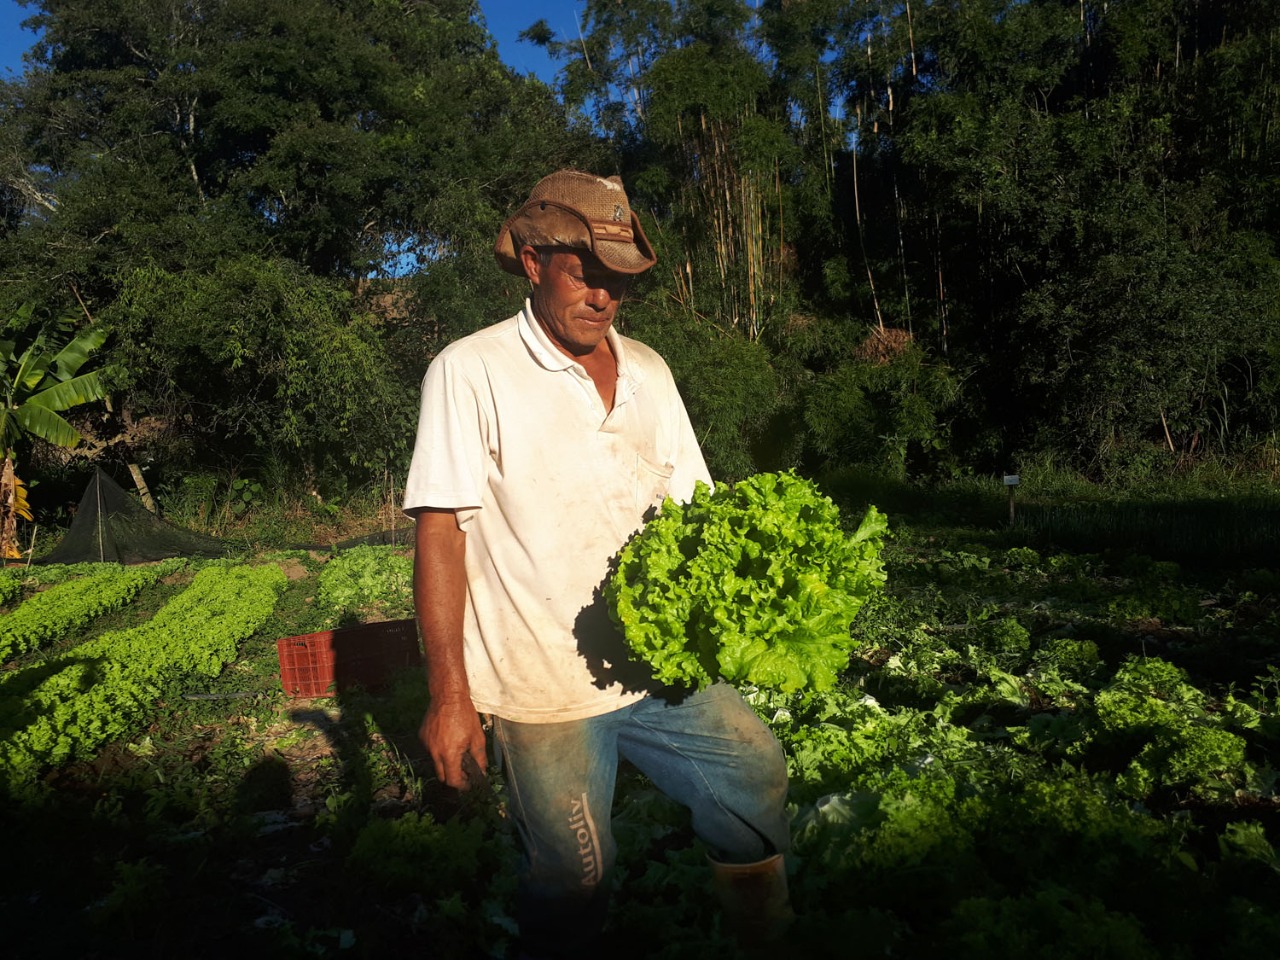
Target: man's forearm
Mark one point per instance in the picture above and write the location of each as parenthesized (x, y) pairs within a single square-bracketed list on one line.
[(451, 728), (440, 596)]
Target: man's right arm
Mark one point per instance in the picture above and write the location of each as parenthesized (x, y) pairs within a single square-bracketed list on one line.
[(451, 728)]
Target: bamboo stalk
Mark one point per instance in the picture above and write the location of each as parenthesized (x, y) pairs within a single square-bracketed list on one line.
[(862, 239), (143, 490), (822, 127), (583, 42), (782, 240), (911, 38), (942, 289)]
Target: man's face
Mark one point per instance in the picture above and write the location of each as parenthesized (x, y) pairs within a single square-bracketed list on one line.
[(575, 297)]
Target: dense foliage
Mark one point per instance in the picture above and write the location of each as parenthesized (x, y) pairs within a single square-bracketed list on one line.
[(227, 186), (922, 236), (754, 583), (1063, 209)]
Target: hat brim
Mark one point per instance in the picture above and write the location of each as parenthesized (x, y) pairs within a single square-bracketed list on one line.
[(549, 224)]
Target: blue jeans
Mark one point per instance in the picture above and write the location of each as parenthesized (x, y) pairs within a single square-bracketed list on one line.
[(708, 751)]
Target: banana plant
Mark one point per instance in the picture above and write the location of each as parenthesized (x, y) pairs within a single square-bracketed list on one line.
[(37, 383)]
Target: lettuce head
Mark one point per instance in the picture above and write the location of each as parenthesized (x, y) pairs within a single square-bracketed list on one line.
[(754, 583)]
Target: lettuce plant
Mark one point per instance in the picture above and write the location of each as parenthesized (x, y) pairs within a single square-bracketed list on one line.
[(755, 583)]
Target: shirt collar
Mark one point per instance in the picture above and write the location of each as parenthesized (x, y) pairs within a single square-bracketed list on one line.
[(549, 357)]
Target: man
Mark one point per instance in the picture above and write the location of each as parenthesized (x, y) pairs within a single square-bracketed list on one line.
[(542, 442)]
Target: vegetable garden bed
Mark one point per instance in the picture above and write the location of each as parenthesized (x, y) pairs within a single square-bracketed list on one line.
[(1033, 753)]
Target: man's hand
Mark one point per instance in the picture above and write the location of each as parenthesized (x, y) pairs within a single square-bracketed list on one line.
[(452, 734)]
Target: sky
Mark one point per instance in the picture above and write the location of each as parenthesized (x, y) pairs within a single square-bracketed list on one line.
[(505, 19), (14, 41)]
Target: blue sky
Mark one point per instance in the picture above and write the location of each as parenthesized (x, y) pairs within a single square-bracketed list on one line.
[(505, 19), (13, 39)]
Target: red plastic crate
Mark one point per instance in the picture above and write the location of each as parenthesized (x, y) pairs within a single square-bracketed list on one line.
[(334, 661)]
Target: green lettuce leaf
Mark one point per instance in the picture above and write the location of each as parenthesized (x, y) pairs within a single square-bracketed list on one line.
[(754, 584)]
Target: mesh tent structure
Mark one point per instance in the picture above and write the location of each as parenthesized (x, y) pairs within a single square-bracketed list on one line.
[(400, 537), (112, 527)]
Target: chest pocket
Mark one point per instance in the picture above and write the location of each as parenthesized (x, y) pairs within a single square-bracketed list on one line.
[(653, 481)]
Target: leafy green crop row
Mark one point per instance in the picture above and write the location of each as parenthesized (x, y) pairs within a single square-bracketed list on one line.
[(13, 580), (66, 709), (49, 574), (72, 604), (1016, 765), (367, 577), (10, 587)]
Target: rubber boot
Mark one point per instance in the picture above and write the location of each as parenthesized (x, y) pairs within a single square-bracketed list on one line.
[(754, 899)]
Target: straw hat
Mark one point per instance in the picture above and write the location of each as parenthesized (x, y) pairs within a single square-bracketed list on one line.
[(570, 208)]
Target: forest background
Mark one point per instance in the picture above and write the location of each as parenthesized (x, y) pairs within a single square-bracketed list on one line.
[(929, 239)]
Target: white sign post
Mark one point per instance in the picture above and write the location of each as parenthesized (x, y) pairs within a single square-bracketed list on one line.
[(1011, 482)]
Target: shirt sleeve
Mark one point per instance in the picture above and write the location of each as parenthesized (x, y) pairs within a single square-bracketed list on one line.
[(449, 469)]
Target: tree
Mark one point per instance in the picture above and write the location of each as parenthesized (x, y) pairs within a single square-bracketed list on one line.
[(325, 141), (258, 356), (1069, 201), (1018, 225), (40, 381)]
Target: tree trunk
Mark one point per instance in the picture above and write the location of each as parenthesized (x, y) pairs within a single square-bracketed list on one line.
[(143, 490), (8, 512)]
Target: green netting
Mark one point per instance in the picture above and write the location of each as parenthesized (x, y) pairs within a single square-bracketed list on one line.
[(400, 537), (112, 527)]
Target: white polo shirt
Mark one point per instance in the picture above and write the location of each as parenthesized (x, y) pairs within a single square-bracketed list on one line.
[(513, 435)]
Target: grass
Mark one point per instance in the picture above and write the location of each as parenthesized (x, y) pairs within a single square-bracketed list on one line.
[(1206, 533), (1210, 518)]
